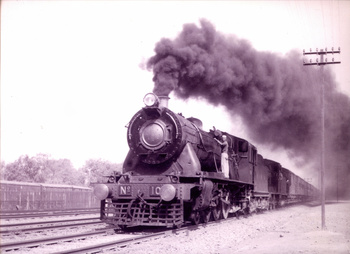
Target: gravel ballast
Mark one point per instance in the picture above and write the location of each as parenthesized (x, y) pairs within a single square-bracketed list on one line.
[(295, 229)]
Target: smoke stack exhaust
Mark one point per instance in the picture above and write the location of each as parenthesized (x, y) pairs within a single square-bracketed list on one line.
[(276, 97), (163, 101)]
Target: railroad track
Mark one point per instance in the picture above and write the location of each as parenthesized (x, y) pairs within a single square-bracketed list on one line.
[(119, 243), (49, 213), (9, 212), (125, 238), (101, 247), (39, 226), (50, 240)]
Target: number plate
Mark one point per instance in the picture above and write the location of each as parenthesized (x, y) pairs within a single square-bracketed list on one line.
[(125, 190), (154, 190)]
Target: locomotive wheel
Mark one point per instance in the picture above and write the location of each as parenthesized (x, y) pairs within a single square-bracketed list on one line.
[(216, 211), (205, 215), (195, 218), (225, 208)]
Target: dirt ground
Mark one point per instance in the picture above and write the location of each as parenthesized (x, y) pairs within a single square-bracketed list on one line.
[(295, 229)]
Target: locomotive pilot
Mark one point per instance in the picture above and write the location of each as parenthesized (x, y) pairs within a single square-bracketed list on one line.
[(224, 155)]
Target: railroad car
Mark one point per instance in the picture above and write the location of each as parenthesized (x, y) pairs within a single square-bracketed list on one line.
[(38, 196), (173, 175)]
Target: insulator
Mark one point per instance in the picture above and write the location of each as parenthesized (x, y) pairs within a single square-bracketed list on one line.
[(316, 49), (333, 59), (339, 49), (310, 60), (310, 50), (316, 60), (326, 60)]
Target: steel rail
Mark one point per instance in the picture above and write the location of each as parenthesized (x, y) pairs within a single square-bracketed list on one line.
[(136, 239), (116, 243), (37, 242), (4, 212), (50, 227), (46, 222), (45, 214)]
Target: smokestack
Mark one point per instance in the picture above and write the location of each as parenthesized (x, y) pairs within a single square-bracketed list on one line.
[(163, 101)]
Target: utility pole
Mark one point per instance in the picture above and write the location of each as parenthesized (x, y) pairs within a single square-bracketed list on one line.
[(337, 184), (322, 63)]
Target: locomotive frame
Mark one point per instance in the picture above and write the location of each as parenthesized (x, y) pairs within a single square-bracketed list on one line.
[(172, 174)]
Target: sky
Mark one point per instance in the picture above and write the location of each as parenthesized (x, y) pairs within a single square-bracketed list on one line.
[(73, 72)]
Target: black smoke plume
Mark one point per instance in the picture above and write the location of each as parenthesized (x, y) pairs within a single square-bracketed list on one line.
[(276, 96)]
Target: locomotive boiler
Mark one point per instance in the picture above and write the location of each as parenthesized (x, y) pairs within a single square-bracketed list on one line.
[(172, 173)]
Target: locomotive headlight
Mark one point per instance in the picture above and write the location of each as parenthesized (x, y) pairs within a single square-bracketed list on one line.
[(167, 192), (101, 191), (151, 100)]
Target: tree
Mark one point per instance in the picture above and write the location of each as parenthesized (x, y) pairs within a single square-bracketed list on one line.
[(25, 169), (42, 169), (97, 170), (62, 172), (3, 167)]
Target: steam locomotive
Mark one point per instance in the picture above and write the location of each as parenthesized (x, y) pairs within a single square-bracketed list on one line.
[(172, 174)]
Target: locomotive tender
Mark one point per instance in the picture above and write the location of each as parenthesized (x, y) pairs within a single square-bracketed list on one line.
[(172, 174)]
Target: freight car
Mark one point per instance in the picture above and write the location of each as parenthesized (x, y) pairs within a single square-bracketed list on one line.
[(38, 196), (173, 174)]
